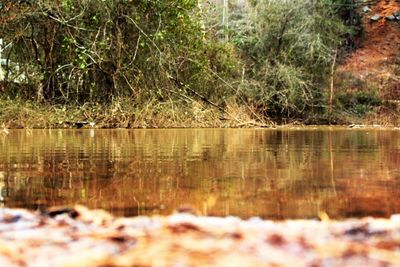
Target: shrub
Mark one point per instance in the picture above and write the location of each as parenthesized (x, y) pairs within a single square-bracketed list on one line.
[(358, 103), (95, 50), (291, 45)]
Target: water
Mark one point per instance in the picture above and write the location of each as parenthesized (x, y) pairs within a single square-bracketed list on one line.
[(275, 174)]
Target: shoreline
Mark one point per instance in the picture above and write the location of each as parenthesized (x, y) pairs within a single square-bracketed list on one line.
[(21, 114), (274, 127)]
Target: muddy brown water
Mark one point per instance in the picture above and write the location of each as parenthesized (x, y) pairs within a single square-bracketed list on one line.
[(275, 174)]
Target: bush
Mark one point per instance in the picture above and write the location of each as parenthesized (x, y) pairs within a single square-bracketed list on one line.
[(276, 63), (291, 45), (95, 50), (358, 103)]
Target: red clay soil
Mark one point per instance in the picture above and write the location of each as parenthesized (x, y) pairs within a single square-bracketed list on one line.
[(375, 58)]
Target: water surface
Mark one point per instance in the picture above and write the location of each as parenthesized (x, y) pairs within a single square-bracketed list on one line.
[(275, 174)]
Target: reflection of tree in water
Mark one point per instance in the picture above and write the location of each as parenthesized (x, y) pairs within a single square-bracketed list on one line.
[(271, 173)]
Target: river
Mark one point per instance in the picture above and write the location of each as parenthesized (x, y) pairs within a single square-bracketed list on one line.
[(275, 174)]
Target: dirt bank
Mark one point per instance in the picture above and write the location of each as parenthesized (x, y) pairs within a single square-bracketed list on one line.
[(378, 57)]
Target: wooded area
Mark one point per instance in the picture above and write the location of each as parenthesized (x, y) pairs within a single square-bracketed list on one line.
[(267, 59)]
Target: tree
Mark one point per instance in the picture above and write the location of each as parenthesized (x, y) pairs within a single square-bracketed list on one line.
[(96, 50), (291, 45)]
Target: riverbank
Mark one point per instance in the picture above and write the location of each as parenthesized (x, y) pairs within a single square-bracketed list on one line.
[(330, 64), (16, 114), (367, 79), (123, 113), (82, 237)]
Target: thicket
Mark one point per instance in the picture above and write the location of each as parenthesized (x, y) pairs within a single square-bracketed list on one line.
[(95, 50), (276, 57), (291, 47)]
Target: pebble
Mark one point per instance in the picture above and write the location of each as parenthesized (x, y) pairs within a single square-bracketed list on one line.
[(375, 17)]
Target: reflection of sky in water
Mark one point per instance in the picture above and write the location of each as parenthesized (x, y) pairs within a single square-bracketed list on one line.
[(245, 172)]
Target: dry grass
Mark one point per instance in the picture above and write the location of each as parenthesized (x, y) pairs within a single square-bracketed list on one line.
[(124, 113)]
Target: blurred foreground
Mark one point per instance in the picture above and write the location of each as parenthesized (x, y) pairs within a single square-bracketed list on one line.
[(82, 237)]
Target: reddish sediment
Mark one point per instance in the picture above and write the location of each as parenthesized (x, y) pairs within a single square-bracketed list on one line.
[(377, 57)]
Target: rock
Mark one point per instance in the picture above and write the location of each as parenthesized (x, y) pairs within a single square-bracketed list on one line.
[(375, 17), (396, 14), (78, 124), (391, 17), (366, 9)]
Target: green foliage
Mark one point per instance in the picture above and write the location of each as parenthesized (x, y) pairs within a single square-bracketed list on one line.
[(358, 103), (278, 58), (347, 11), (291, 45), (97, 50)]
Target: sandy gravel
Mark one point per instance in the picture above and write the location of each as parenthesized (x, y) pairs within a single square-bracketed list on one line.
[(82, 237)]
